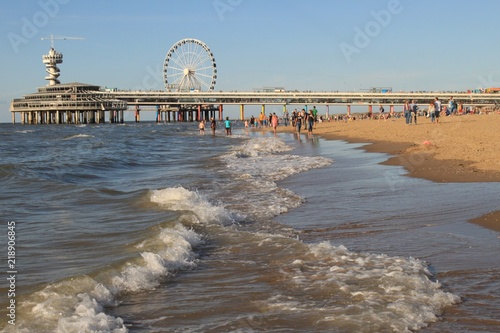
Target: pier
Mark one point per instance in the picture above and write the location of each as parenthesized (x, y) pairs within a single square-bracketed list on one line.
[(184, 100), (80, 103)]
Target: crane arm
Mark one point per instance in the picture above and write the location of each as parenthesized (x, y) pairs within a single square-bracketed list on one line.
[(53, 37)]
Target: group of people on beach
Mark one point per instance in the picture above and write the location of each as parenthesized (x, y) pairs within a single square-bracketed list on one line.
[(411, 111), (308, 119), (435, 109), (304, 119)]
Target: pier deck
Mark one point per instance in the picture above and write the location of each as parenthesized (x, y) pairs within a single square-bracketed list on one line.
[(192, 106)]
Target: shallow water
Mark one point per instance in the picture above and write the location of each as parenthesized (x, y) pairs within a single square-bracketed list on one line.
[(154, 228)]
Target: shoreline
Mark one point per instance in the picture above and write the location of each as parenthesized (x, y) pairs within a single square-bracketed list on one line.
[(458, 149)]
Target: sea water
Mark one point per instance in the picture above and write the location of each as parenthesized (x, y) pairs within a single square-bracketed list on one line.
[(155, 228)]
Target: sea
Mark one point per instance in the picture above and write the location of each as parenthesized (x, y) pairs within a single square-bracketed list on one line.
[(154, 227)]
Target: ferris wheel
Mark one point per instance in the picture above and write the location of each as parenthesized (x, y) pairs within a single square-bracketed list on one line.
[(190, 66)]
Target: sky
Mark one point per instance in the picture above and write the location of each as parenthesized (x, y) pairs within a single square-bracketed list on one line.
[(317, 45)]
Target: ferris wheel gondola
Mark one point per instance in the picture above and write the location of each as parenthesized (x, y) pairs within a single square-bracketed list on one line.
[(190, 66)]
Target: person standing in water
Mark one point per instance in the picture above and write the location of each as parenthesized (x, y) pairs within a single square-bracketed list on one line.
[(228, 126), (298, 122), (201, 127), (274, 122), (213, 125)]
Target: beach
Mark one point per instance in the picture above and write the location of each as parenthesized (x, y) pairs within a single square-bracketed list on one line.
[(457, 149)]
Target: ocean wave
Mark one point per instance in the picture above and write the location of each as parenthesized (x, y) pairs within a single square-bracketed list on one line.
[(77, 304), (254, 168), (362, 289), (78, 136), (179, 199), (264, 158)]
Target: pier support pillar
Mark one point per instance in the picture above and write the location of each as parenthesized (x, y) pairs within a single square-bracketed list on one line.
[(137, 114), (220, 112), (348, 110), (391, 110), (13, 117), (242, 112), (263, 109), (327, 114)]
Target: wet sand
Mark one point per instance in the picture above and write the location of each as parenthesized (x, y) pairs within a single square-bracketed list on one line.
[(457, 149)]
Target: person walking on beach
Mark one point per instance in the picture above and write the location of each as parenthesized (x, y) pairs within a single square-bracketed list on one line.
[(414, 110), (302, 117), (407, 112), (310, 122), (201, 127), (285, 117), (437, 109), (213, 125), (228, 126), (431, 111), (274, 122), (298, 123), (315, 115), (381, 109), (452, 107), (294, 117), (262, 118)]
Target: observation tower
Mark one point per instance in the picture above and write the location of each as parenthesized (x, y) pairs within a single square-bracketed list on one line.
[(51, 60)]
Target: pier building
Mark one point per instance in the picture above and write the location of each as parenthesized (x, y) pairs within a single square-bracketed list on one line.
[(71, 103)]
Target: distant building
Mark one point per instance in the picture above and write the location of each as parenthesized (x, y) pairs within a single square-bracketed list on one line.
[(380, 90), (270, 89)]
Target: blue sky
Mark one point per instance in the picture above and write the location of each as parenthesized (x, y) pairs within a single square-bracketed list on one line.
[(320, 45)]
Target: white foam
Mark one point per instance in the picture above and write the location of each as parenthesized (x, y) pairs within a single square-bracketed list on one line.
[(74, 305), (77, 304), (382, 291), (256, 165), (78, 136), (261, 157), (181, 199)]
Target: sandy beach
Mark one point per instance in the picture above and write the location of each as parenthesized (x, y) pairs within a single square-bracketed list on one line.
[(457, 149)]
